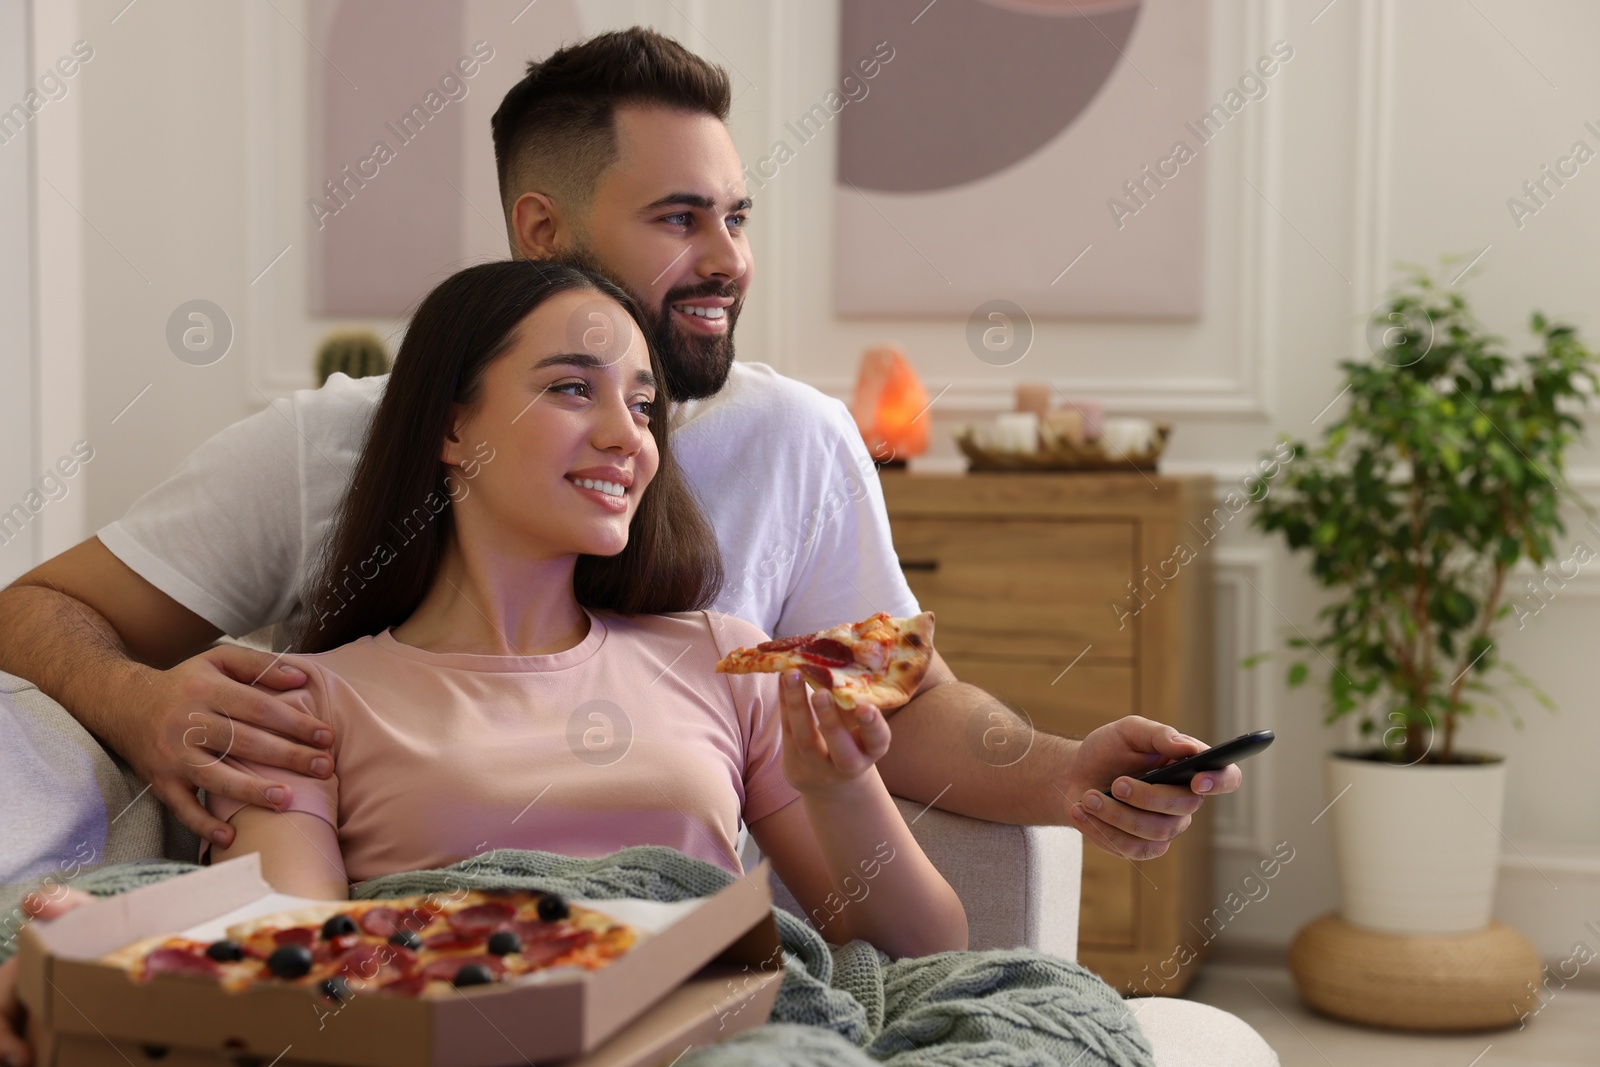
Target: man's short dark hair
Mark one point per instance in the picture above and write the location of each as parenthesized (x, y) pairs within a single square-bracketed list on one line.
[(555, 131)]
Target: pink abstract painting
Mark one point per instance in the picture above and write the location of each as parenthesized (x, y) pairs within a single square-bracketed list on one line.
[(1039, 151)]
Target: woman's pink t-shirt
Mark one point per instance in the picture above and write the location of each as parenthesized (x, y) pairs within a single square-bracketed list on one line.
[(629, 738)]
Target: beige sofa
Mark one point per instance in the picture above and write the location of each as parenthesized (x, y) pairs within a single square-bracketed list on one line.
[(66, 805)]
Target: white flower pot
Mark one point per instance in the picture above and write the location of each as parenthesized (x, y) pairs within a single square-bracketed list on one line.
[(1417, 847)]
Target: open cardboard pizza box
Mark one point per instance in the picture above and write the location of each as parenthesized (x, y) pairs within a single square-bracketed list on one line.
[(646, 1007)]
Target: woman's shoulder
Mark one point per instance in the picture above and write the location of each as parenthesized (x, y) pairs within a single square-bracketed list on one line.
[(341, 680), (714, 629), (336, 662)]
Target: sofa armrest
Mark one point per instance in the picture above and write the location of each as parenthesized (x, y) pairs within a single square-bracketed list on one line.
[(70, 808), (1184, 1033), (1019, 884)]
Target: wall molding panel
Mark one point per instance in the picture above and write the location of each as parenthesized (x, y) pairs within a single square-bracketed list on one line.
[(1243, 695)]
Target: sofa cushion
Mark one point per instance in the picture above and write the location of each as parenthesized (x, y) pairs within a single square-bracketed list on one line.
[(1186, 1033), (1019, 884), (69, 806)]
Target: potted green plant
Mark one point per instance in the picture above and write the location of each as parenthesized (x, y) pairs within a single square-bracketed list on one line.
[(1444, 472), (357, 353)]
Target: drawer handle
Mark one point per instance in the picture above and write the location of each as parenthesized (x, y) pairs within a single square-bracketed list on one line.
[(919, 564)]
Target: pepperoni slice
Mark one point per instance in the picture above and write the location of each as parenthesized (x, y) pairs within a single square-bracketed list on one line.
[(826, 650), (398, 958), (783, 644), (380, 921), (828, 653), (363, 961), (444, 969), (482, 919), (370, 964), (542, 953), (383, 921), (822, 677), (295, 935), (454, 941), (533, 931), (179, 961), (333, 947)]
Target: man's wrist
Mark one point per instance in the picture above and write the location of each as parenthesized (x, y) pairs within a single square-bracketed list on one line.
[(112, 702), (1055, 785)]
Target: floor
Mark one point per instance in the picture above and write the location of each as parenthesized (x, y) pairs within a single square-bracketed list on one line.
[(1566, 1033)]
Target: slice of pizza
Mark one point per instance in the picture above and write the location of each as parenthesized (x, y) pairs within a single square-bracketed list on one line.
[(878, 661)]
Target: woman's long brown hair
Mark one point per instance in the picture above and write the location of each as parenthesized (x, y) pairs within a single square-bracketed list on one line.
[(396, 521)]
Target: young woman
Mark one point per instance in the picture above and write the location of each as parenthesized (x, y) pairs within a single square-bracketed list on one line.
[(507, 638)]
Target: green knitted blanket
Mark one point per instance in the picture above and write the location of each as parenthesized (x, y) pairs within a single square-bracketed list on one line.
[(838, 1006)]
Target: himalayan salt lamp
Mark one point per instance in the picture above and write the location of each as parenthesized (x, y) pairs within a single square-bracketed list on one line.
[(890, 406)]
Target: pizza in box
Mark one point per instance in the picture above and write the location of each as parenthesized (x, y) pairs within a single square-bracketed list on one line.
[(417, 946)]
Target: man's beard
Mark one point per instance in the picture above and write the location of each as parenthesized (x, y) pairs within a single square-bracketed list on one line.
[(694, 367)]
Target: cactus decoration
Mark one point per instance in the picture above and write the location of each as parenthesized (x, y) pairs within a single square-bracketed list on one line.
[(358, 353)]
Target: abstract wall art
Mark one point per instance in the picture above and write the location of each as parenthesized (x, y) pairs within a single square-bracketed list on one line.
[(1047, 152)]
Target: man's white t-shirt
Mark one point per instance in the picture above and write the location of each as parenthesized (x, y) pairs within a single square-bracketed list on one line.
[(780, 470)]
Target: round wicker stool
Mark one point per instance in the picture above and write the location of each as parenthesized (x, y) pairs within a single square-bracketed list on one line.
[(1481, 980)]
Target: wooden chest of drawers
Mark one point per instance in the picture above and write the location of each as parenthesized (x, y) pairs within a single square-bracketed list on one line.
[(1078, 599)]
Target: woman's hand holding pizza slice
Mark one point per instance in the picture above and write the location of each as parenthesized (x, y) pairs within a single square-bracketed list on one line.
[(823, 745), (847, 830)]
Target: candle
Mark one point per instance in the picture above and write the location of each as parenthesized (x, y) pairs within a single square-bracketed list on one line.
[(1017, 432), (1064, 426), (1129, 437), (1034, 397), (1092, 416)]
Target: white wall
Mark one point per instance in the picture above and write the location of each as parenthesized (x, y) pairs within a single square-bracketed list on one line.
[(163, 174), (19, 538), (58, 276), (1397, 132), (41, 384)]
